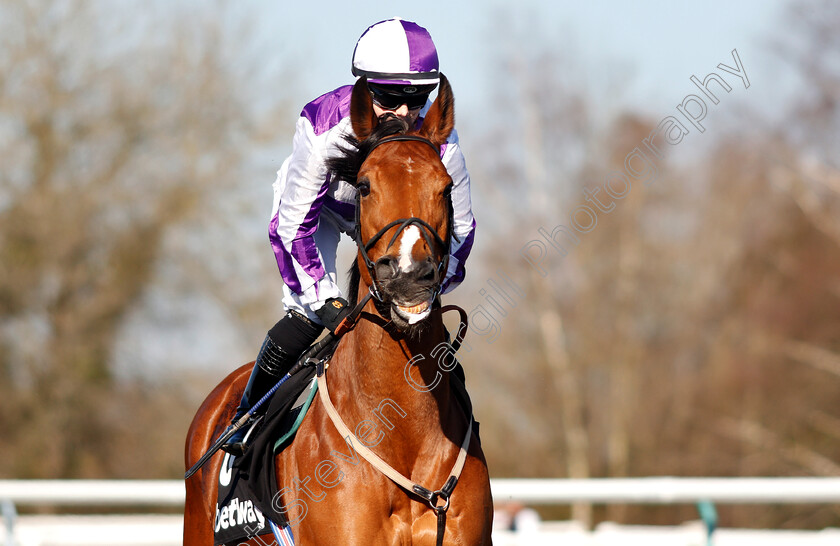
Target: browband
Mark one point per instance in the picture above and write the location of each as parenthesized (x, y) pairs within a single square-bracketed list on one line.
[(396, 138)]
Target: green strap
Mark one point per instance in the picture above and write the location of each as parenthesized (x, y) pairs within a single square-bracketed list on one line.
[(303, 409)]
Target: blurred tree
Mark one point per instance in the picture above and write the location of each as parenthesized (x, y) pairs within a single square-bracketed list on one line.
[(694, 330), (544, 132), (118, 124)]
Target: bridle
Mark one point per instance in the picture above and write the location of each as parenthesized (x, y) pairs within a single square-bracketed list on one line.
[(428, 232), (437, 499)]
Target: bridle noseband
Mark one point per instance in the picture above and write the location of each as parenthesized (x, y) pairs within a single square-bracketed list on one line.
[(428, 232)]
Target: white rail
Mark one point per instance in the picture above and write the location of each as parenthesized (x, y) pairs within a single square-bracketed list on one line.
[(655, 490), (93, 492), (668, 490), (165, 530)]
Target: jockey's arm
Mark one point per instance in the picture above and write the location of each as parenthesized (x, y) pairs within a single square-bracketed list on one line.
[(464, 221), (299, 192)]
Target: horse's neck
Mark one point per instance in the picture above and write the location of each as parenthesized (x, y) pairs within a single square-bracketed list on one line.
[(368, 382)]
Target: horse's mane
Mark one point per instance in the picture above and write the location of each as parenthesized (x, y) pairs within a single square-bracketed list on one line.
[(353, 284), (345, 166)]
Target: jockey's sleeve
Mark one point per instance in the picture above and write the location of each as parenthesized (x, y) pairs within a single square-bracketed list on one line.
[(464, 221), (299, 191)]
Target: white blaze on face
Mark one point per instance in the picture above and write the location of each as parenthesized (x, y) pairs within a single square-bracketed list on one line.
[(409, 238), (413, 312)]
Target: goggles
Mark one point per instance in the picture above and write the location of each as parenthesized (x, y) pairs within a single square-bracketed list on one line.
[(391, 97)]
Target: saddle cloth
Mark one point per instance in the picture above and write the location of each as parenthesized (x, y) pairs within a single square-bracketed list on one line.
[(247, 483)]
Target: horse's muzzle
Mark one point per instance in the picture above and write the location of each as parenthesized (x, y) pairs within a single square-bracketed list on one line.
[(421, 273), (410, 291)]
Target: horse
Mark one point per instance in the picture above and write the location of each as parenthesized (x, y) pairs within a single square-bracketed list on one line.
[(383, 380)]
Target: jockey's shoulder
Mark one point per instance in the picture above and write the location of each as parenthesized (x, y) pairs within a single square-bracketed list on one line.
[(329, 109)]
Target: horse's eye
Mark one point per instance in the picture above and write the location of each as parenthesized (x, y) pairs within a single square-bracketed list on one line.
[(447, 191), (363, 186)]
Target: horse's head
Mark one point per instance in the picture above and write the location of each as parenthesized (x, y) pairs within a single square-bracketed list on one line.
[(404, 213)]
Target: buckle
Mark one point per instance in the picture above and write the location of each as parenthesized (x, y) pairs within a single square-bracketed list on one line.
[(375, 292), (433, 502)]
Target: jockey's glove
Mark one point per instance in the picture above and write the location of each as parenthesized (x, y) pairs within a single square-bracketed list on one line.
[(333, 313)]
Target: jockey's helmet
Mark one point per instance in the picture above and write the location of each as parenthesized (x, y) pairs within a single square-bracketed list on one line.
[(397, 52)]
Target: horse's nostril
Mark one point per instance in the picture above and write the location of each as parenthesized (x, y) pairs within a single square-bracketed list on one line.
[(386, 268), (426, 271)]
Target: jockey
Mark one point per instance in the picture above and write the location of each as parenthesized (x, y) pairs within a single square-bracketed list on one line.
[(310, 211)]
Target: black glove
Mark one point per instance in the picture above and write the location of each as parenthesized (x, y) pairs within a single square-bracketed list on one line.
[(333, 313)]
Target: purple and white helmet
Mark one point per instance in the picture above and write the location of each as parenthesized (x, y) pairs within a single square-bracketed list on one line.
[(396, 52)]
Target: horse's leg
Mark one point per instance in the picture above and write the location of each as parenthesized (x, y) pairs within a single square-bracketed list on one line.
[(209, 421)]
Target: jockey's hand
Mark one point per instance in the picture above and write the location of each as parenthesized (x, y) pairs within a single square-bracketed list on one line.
[(333, 313)]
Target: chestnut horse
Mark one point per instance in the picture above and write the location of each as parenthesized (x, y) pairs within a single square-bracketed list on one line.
[(385, 381)]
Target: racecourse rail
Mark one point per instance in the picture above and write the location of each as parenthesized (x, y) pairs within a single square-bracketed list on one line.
[(653, 490), (165, 529)]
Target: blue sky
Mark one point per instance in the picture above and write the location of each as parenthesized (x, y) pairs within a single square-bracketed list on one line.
[(657, 44)]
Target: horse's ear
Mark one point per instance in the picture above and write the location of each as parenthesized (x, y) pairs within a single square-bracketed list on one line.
[(362, 116), (440, 119)]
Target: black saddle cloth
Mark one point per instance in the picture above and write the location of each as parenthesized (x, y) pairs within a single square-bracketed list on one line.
[(246, 484)]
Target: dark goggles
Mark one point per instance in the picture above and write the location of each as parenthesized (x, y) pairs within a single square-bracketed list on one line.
[(391, 97)]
